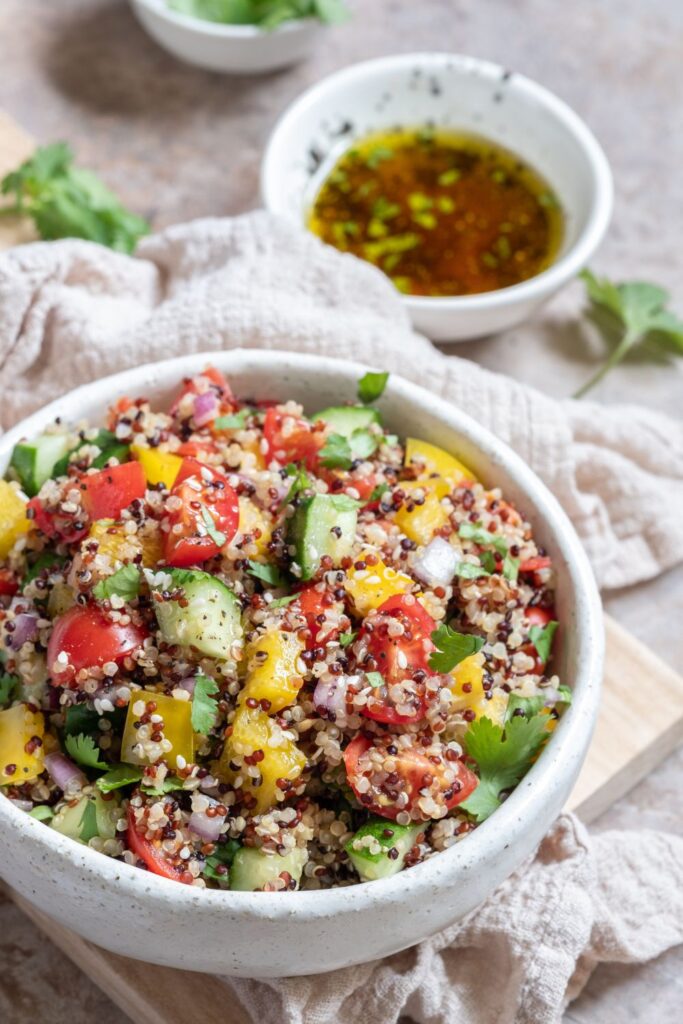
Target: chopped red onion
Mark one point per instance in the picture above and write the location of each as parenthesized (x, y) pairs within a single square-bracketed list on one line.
[(205, 827), (330, 695), (63, 772), (25, 629), (188, 683), (205, 408), (436, 565)]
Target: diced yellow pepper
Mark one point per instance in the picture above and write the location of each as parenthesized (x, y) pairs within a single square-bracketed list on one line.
[(272, 672), (470, 673), (121, 547), (436, 460), (253, 730), (18, 726), (253, 518), (253, 448), (13, 521), (421, 523), (176, 728), (371, 587), (158, 467)]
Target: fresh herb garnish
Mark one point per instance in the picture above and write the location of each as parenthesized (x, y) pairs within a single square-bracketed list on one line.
[(630, 314), (301, 482), (378, 491), (124, 583), (343, 503), (375, 679), (235, 421), (42, 813), (452, 648), (204, 704), (371, 386), (168, 785), (510, 568), (7, 685), (468, 571), (542, 638), (214, 533), (281, 602), (223, 856), (69, 202), (530, 706), (346, 639), (488, 560), (267, 573), (120, 775), (85, 751), (477, 533), (88, 828), (267, 14), (339, 452), (503, 756)]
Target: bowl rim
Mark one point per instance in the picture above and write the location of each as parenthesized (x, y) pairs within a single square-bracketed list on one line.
[(218, 30), (601, 202), (492, 836)]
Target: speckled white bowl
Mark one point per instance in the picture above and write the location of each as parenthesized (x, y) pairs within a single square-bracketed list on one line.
[(449, 90), (141, 915)]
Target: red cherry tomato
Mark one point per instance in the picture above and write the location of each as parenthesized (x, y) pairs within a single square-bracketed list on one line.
[(313, 604), (89, 639), (400, 659), (196, 450), (8, 583), (339, 483), (535, 564), (205, 494), (291, 439), (537, 616), (118, 409), (107, 493), (151, 852), (196, 385), (411, 770)]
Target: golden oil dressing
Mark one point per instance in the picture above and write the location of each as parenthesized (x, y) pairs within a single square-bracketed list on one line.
[(440, 212)]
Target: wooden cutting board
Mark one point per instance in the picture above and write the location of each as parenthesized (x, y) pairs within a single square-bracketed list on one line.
[(640, 723)]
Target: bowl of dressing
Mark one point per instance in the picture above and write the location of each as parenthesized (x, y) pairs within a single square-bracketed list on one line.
[(475, 190)]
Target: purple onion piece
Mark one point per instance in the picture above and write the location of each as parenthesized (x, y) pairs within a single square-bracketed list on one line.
[(205, 408), (330, 695), (63, 772), (206, 828), (25, 629), (188, 683)]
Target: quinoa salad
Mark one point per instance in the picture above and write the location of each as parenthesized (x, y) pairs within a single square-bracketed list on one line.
[(245, 648)]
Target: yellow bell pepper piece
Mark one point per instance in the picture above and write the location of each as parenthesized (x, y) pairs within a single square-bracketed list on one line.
[(18, 726), (428, 459), (272, 672), (253, 730), (468, 690), (421, 523), (371, 587), (121, 547), (158, 467), (253, 518), (137, 745), (13, 521)]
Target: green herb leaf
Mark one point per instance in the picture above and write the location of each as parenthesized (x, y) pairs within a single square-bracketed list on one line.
[(281, 602), (363, 443), (343, 503), (267, 573), (121, 775), (375, 679), (88, 829), (510, 568), (468, 571), (477, 533), (452, 648), (214, 533), (542, 639), (371, 386), (503, 757), (565, 695), (336, 453), (301, 482), (42, 813), (346, 639), (204, 704), (378, 492), (633, 312), (67, 202), (79, 718), (529, 706), (124, 583), (169, 784), (223, 855), (85, 751), (235, 421), (488, 560), (7, 685)]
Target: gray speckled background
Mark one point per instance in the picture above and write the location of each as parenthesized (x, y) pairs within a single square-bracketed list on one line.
[(178, 143)]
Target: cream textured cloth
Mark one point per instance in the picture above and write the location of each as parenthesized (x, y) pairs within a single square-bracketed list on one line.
[(71, 312)]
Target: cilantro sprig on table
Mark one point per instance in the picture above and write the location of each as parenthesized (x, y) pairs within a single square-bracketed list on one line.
[(70, 202), (630, 315)]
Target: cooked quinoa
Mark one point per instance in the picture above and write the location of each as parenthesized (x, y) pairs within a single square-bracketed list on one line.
[(243, 648)]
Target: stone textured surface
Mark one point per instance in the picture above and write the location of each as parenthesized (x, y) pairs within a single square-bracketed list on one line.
[(178, 143)]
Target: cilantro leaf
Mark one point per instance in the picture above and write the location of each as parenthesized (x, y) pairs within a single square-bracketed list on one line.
[(301, 482), (222, 857), (204, 704), (633, 313), (542, 638), (169, 784), (118, 776), (510, 568), (488, 560), (452, 648), (363, 443), (371, 386), (282, 602), (468, 571), (503, 757), (214, 533), (125, 583), (87, 828), (336, 452), (378, 491), (267, 573), (477, 533), (346, 639), (7, 685), (85, 751), (375, 678), (235, 421), (68, 202), (530, 706)]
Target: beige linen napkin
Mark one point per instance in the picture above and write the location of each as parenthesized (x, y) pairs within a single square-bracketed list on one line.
[(71, 312)]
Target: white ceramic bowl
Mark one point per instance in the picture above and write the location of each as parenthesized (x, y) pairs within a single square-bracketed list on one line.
[(450, 91), (141, 915), (234, 49)]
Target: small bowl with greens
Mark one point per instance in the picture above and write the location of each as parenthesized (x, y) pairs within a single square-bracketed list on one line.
[(238, 36)]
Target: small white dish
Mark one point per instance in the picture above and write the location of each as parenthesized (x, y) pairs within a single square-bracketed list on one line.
[(461, 93), (232, 49), (142, 915)]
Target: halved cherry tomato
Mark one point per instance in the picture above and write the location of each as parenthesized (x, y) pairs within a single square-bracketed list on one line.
[(300, 443), (410, 770), (537, 616), (107, 493), (8, 583), (535, 564), (196, 449), (197, 385), (89, 638), (313, 603), (205, 494), (151, 852), (400, 659)]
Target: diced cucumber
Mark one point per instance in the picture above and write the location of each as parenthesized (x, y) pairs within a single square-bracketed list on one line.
[(323, 525), (390, 836), (89, 817), (109, 447), (345, 419), (209, 617), (34, 461), (251, 868)]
